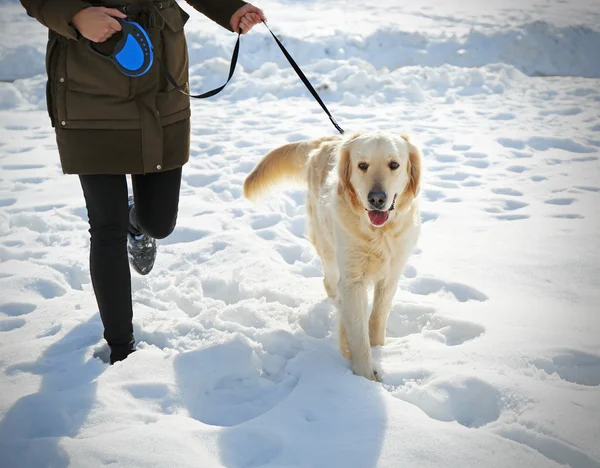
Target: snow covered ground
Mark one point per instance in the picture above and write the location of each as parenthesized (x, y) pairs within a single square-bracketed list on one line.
[(493, 351)]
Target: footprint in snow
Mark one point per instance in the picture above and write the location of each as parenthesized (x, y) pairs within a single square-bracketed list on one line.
[(560, 201), (452, 332), (7, 201), (263, 221), (588, 188), (565, 144), (231, 387), (48, 289), (31, 181), (511, 143), (478, 163), (201, 180), (433, 195), (475, 155), (19, 167), (512, 217), (53, 330), (444, 184), (244, 143), (461, 292), (502, 116), (507, 191), (456, 176), (565, 111), (517, 169), (436, 141), (408, 319), (446, 158), (15, 309), (573, 366), (183, 235), (568, 216), (562, 453), (267, 234), (522, 154), (471, 402), (585, 159), (501, 206), (427, 216), (10, 324), (290, 253)]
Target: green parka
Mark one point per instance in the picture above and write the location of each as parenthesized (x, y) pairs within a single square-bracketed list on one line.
[(106, 122)]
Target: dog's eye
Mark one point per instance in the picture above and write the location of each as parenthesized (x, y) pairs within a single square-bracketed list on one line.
[(394, 165), (363, 166)]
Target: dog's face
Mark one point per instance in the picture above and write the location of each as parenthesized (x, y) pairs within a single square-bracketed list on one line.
[(381, 172)]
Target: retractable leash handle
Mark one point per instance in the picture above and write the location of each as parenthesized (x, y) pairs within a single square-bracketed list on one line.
[(133, 55)]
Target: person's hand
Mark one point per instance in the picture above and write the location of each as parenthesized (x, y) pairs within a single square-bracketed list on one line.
[(246, 17), (97, 23)]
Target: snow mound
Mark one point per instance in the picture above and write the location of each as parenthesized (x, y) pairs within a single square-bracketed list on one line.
[(536, 49)]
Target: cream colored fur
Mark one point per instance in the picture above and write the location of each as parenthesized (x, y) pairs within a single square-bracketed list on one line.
[(355, 253)]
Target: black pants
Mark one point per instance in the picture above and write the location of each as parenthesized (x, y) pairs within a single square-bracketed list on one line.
[(156, 202)]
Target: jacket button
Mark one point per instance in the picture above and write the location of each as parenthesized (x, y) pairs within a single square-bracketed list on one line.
[(159, 167), (63, 123), (62, 80)]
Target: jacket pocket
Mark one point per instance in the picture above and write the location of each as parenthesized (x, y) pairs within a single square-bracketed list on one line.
[(51, 49), (175, 52), (86, 72)]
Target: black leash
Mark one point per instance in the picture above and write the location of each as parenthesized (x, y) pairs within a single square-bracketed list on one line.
[(234, 60), (211, 93)]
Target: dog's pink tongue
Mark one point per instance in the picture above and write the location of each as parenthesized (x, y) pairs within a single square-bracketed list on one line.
[(378, 217)]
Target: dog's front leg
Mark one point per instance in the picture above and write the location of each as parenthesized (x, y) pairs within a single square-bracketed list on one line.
[(385, 290), (353, 312)]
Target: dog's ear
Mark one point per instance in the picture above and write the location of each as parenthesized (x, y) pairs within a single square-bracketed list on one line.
[(414, 158), (345, 164), (344, 169), (414, 167)]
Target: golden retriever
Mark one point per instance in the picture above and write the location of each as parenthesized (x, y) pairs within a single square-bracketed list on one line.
[(363, 220)]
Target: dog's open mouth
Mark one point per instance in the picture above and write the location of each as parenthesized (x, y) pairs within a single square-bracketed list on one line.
[(377, 218)]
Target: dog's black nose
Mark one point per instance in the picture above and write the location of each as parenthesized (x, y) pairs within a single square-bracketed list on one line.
[(377, 199)]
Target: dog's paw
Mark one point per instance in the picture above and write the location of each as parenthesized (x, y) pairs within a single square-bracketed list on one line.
[(367, 372)]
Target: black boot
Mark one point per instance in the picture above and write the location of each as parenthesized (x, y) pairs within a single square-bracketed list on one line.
[(141, 248), (120, 352)]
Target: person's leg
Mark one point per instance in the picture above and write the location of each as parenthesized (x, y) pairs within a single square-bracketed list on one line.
[(106, 201), (156, 203)]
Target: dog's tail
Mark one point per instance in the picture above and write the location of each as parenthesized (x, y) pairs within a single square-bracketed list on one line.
[(286, 163)]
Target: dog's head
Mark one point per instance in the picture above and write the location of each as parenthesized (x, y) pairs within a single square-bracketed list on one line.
[(379, 173)]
